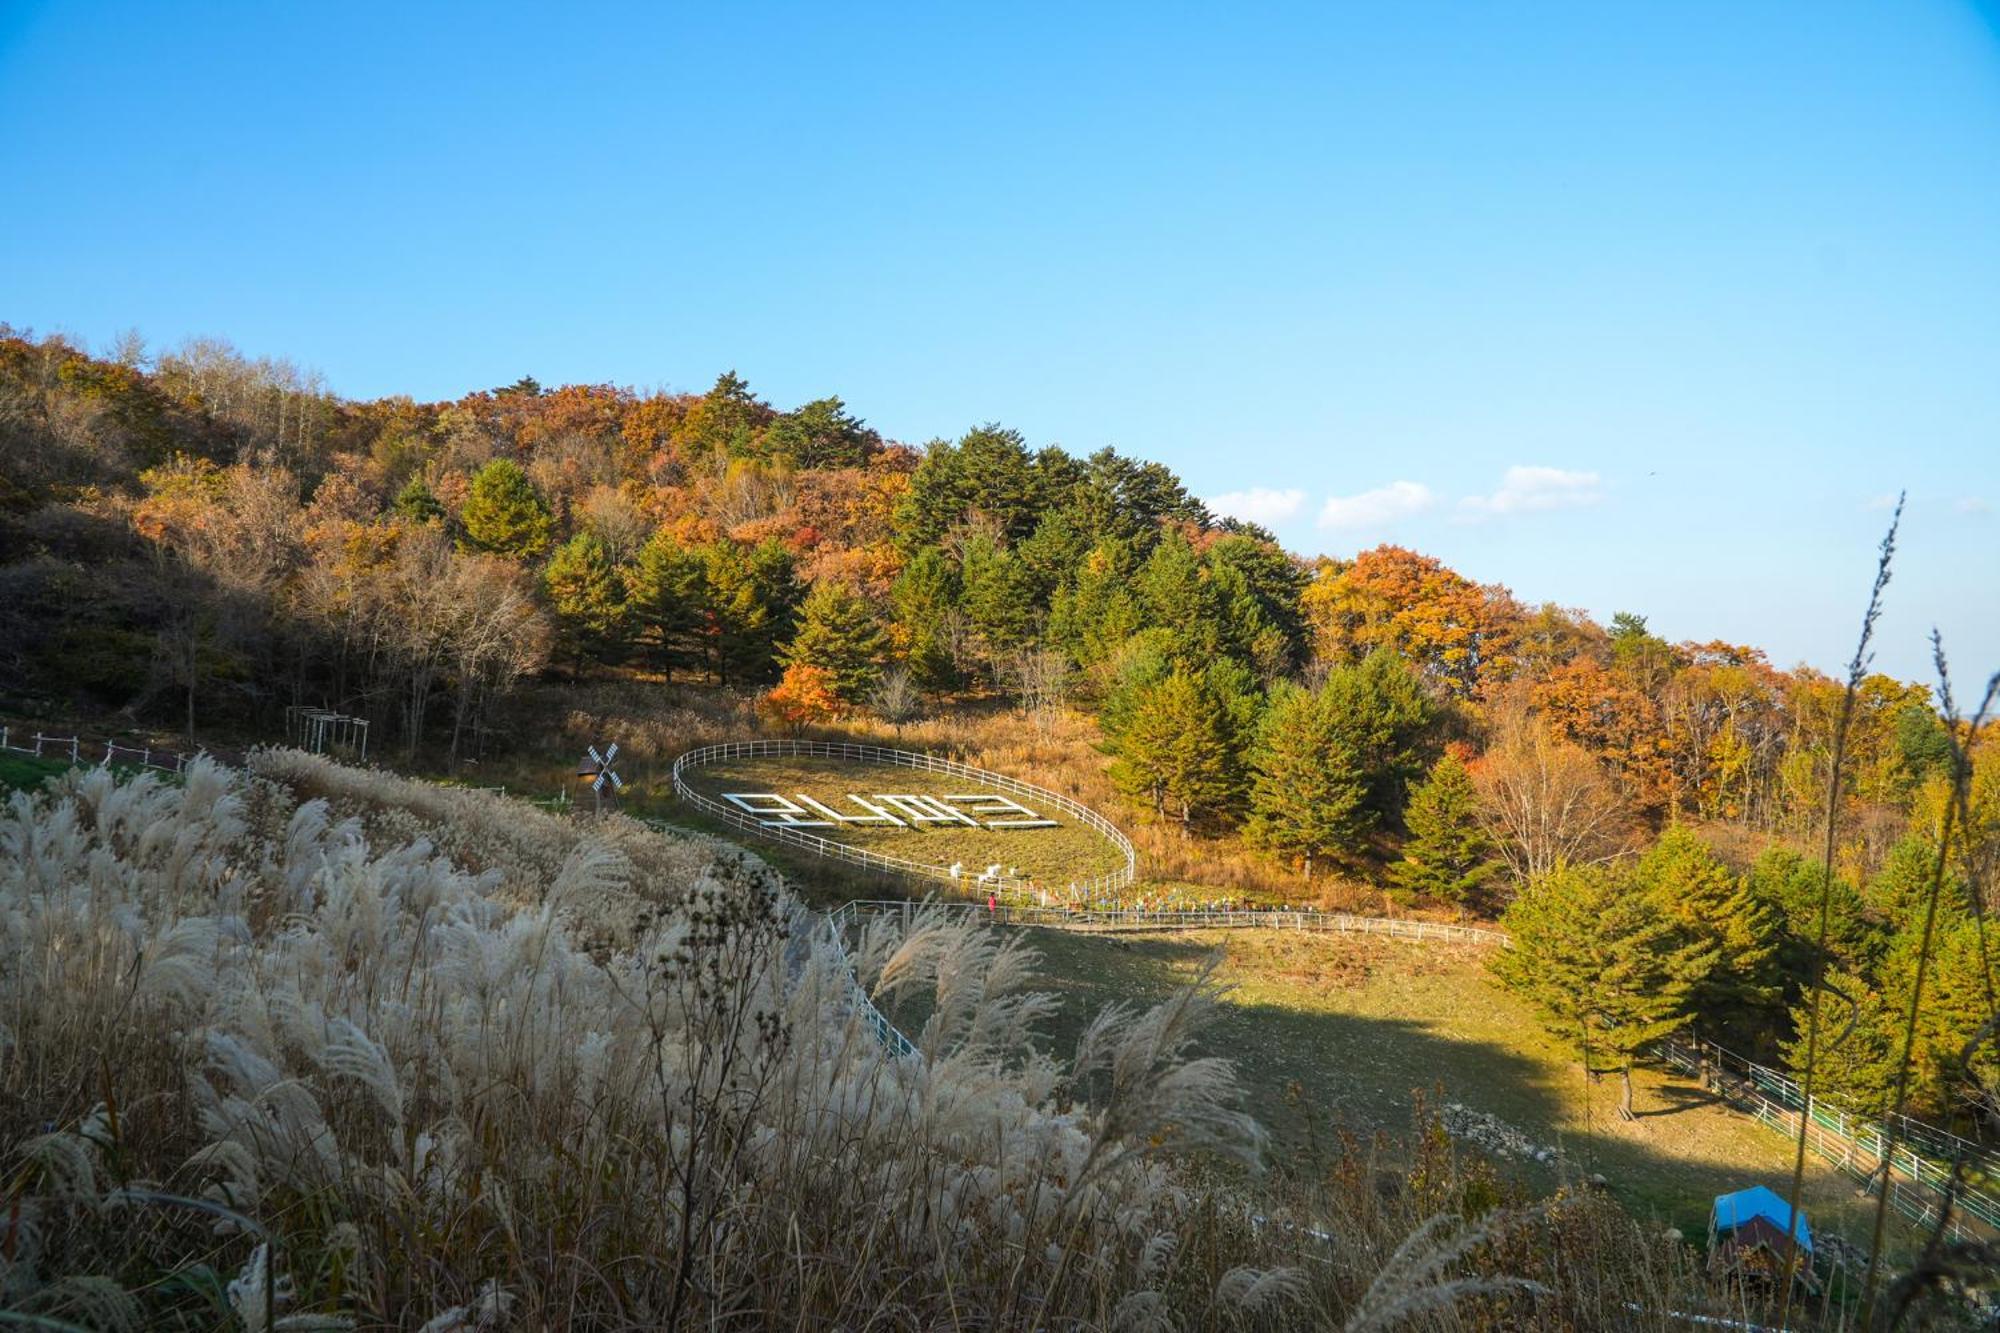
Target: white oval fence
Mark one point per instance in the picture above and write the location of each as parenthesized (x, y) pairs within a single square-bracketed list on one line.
[(833, 849)]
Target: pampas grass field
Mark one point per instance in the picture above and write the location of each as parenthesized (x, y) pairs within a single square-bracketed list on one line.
[(299, 1046)]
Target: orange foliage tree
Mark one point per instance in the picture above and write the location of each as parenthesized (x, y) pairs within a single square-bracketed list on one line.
[(802, 697), (1457, 632)]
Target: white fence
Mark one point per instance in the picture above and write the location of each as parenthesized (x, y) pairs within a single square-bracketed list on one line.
[(1113, 882), (1340, 923), (1918, 1186), (73, 748)]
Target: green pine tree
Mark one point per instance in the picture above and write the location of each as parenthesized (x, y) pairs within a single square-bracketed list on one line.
[(999, 600), (587, 598), (1093, 614), (1179, 748), (839, 634), (1855, 1066), (1790, 885), (417, 503), (1449, 856), (750, 593), (925, 601), (1604, 961), (505, 514), (1738, 998), (1307, 797), (1900, 889), (1386, 717), (665, 591)]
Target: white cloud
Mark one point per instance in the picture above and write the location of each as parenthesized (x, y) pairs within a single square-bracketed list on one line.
[(1973, 504), (1527, 490), (1883, 503), (1377, 508), (1260, 505)]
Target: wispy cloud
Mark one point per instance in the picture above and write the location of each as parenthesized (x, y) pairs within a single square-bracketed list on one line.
[(1527, 490), (1972, 504), (1260, 505), (1882, 503), (1377, 508)]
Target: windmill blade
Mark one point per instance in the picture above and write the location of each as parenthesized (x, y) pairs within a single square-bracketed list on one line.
[(598, 784), (617, 783), (611, 753), (595, 757)]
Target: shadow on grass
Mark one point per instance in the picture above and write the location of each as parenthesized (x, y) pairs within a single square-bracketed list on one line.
[(1678, 1098), (1312, 1074)]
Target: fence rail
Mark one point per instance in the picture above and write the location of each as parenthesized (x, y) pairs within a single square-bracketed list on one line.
[(1115, 881), (891, 1036), (1011, 914), (1918, 1185), (73, 747)]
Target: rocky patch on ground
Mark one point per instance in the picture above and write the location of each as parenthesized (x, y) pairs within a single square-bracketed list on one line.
[(1492, 1134)]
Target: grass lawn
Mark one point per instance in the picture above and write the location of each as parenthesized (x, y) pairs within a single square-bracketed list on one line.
[(26, 772), (1055, 856), (1339, 1031)]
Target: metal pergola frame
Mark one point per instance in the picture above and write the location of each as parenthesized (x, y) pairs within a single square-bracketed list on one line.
[(316, 729)]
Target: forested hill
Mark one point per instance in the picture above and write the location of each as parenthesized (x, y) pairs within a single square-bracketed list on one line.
[(198, 538), (198, 541)]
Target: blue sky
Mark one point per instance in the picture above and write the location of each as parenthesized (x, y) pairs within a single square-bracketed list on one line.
[(1627, 307)]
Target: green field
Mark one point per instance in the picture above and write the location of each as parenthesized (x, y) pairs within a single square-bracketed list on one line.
[(1052, 856), (26, 772), (1333, 1032)]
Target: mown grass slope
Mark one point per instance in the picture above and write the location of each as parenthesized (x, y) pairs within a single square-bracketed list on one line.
[(1333, 1032)]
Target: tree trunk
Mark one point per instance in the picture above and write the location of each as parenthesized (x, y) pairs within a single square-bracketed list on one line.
[(1625, 1111)]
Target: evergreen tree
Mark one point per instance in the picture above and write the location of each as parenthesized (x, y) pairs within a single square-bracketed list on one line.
[(1449, 856), (1900, 889), (822, 434), (505, 514), (725, 420), (1604, 961), (1855, 1066), (1093, 615), (1177, 598), (750, 593), (987, 472), (925, 602), (1179, 748), (1260, 586), (1307, 796), (584, 593), (1717, 912), (1952, 1060), (1790, 885), (665, 591), (999, 600), (839, 634), (417, 503), (1385, 716)]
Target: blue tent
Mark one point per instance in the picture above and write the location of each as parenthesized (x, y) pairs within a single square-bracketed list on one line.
[(1756, 1213)]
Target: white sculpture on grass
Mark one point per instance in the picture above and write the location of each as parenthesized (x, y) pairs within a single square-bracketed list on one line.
[(891, 809)]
